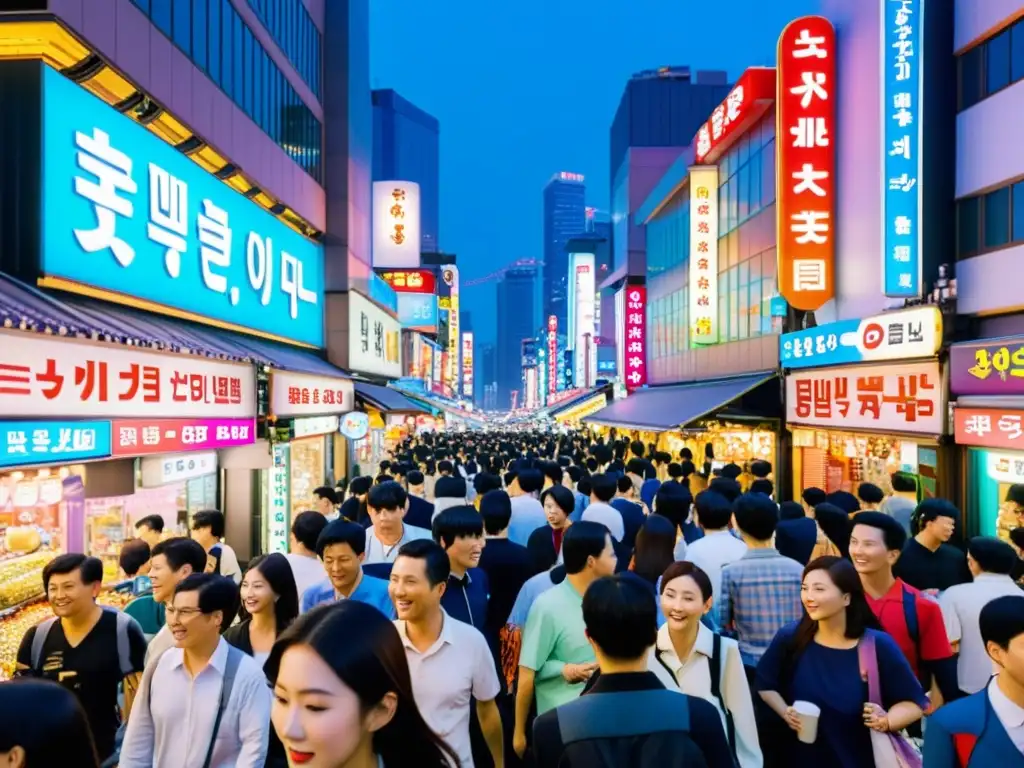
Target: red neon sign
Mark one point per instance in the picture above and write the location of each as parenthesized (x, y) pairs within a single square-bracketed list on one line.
[(636, 336), (411, 280), (552, 354), (747, 101)]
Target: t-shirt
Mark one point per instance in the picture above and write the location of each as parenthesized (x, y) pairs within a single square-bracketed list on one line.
[(91, 670), (223, 560), (148, 612), (923, 569), (932, 642), (306, 570)]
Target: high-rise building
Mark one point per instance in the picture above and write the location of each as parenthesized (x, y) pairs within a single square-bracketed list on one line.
[(564, 217), (406, 147), (515, 310), (485, 374)]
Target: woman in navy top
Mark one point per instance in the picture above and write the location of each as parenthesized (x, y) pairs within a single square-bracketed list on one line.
[(816, 660)]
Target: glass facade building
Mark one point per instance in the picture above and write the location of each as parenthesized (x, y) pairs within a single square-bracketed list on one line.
[(564, 218), (295, 33), (515, 322)]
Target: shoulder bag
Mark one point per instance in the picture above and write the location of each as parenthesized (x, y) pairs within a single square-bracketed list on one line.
[(890, 750)]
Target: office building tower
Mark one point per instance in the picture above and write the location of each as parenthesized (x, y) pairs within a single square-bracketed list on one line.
[(406, 147), (515, 311), (564, 217)]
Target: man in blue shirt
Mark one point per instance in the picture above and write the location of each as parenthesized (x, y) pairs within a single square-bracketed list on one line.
[(460, 531), (632, 513), (342, 548)]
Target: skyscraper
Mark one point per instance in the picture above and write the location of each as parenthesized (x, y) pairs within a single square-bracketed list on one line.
[(515, 310), (564, 217)]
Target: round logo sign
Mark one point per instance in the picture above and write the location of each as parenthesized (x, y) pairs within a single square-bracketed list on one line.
[(873, 336), (355, 425)]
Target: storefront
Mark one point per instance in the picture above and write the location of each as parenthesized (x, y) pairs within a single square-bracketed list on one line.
[(987, 380), (571, 408), (391, 417)]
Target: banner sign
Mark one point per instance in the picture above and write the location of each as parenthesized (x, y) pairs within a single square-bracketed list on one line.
[(991, 367), (139, 437), (300, 394), (989, 427), (636, 336), (396, 224), (704, 254), (52, 442)]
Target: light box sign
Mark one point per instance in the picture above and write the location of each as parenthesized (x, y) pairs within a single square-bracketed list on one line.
[(883, 398), (300, 394), (704, 254), (143, 437), (411, 280), (374, 338), (450, 277), (278, 494), (636, 336), (583, 327), (747, 101), (315, 425), (805, 162), (163, 470), (418, 311), (902, 335), (467, 365), (902, 128), (52, 442), (130, 214), (990, 367), (989, 427), (396, 224), (355, 425), (552, 377)]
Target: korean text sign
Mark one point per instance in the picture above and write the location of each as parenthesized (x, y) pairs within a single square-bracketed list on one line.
[(299, 394), (752, 94), (374, 338), (989, 427), (887, 398), (902, 131), (142, 437), (42, 375), (278, 494), (993, 367), (130, 214), (704, 254), (411, 280), (552, 355), (636, 336), (396, 224), (806, 162), (51, 442), (418, 311)]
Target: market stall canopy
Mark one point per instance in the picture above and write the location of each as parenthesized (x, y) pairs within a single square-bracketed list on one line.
[(576, 400), (661, 409), (386, 399)]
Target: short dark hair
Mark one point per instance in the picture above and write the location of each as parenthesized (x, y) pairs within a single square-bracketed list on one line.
[(760, 468), (180, 552), (435, 559), (485, 482), (624, 484), (564, 498), (636, 467), (414, 477), (904, 482), (603, 486), (893, 534), (155, 523), (675, 471), (620, 616), (726, 486), (791, 510), (530, 480), (1002, 620), (496, 511), (360, 485), (456, 523), (713, 510), (732, 470), (992, 555), (686, 454), (216, 593), (307, 527), (453, 487), (1016, 493), (686, 568), (1017, 536), (326, 492), (342, 532), (932, 509), (687, 466), (212, 519), (637, 448), (583, 486), (582, 540), (134, 554), (673, 501), (813, 497), (387, 495), (845, 500), (445, 466), (870, 493), (763, 486), (756, 515), (552, 470), (89, 568)]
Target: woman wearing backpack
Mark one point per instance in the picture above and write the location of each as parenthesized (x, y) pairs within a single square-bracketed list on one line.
[(693, 659)]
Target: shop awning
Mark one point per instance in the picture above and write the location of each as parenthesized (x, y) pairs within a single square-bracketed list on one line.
[(575, 401), (386, 399), (30, 309), (664, 408)]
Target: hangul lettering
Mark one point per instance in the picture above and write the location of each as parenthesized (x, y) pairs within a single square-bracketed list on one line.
[(823, 398), (112, 170), (17, 442), (870, 390), (50, 377), (305, 396), (151, 435), (804, 398), (92, 378), (150, 384), (895, 333), (291, 284), (168, 216), (915, 332), (127, 437), (221, 390), (63, 440), (132, 377), (236, 390), (259, 263), (215, 246), (179, 380), (1009, 425), (83, 439), (40, 441)]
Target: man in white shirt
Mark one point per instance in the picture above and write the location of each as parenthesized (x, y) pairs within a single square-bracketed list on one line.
[(208, 530), (172, 561), (991, 561), (718, 547), (450, 663), (449, 492), (203, 702), (600, 510), (527, 511), (386, 503), (306, 566)]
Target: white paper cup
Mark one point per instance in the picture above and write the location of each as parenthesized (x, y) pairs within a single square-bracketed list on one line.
[(809, 714)]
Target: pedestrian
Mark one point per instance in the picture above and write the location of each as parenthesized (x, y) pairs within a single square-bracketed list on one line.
[(353, 508), (627, 718), (718, 547), (142, 607), (811, 498), (655, 544), (901, 505), (450, 491), (420, 511), (449, 662), (796, 535), (86, 648), (524, 488), (820, 660), (600, 510), (133, 560), (387, 504), (506, 564), (341, 549), (835, 526), (625, 501), (675, 502), (203, 703), (460, 532), (172, 561), (43, 725), (870, 496), (545, 543), (307, 569), (208, 530), (326, 502), (150, 529), (928, 562)]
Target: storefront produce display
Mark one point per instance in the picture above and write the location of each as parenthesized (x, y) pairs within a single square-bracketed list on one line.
[(21, 578)]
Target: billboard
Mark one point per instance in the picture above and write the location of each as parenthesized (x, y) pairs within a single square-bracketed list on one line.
[(450, 277), (704, 254), (552, 374), (374, 339), (635, 357), (396, 224), (467, 365), (753, 93), (411, 280), (418, 311), (582, 331)]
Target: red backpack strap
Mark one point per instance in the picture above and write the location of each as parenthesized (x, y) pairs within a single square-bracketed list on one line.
[(964, 743)]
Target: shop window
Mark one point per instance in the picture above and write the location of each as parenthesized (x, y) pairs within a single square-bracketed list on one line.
[(997, 218), (968, 225), (997, 62), (971, 67), (1017, 225)]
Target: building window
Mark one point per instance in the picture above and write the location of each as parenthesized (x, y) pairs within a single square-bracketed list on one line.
[(1017, 221), (991, 66), (997, 62), (183, 25), (292, 28), (990, 221), (997, 218)]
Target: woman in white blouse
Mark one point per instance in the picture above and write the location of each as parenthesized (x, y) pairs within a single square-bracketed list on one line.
[(687, 653)]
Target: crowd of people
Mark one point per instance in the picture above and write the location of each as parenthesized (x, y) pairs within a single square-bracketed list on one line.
[(541, 599)]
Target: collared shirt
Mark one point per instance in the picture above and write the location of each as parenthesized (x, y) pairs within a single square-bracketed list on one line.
[(693, 676), (711, 554), (527, 516), (760, 595), (455, 669), (379, 552), (1010, 714), (369, 590), (961, 608), (174, 728), (162, 641), (608, 516), (465, 599)]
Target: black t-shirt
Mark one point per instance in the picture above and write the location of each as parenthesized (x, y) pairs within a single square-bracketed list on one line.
[(91, 670), (923, 569)]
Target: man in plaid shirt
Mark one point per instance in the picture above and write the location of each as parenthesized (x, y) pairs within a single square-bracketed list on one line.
[(761, 590)]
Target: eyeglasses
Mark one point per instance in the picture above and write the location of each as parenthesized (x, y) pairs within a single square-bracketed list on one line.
[(185, 614)]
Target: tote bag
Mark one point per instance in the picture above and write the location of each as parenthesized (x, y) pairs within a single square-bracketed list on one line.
[(891, 750)]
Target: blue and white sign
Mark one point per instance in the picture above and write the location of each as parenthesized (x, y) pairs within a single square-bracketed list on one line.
[(382, 293), (418, 311), (128, 213), (52, 442), (355, 425), (902, 44), (904, 335)]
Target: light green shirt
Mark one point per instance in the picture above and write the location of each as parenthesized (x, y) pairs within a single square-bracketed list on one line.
[(553, 637)]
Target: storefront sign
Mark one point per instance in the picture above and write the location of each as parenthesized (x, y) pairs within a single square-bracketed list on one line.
[(300, 394), (396, 224), (467, 365), (140, 219), (383, 294), (418, 311), (411, 280), (581, 323), (901, 149), (552, 377), (317, 425), (374, 339), (50, 442), (277, 498), (42, 375), (806, 162), (1005, 467), (139, 437), (164, 470), (994, 367), (883, 398), (752, 94), (902, 335), (450, 276), (704, 254), (355, 425), (989, 427), (636, 336)]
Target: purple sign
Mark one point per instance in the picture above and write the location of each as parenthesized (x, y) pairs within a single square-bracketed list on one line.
[(74, 505), (991, 367)]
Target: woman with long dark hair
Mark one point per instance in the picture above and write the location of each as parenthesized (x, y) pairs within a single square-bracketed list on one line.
[(821, 660), (348, 703), (655, 547), (42, 725)]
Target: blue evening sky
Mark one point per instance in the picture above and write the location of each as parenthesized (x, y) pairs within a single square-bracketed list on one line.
[(528, 88)]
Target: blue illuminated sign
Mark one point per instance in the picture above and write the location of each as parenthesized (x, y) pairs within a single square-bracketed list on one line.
[(382, 293), (52, 442), (128, 213), (418, 311), (902, 45), (830, 344)]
